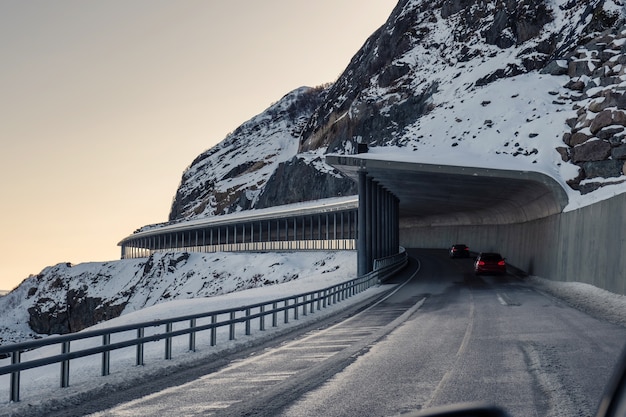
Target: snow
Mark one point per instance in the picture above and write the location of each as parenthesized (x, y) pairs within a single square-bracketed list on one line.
[(40, 389), (500, 126), (315, 270), (145, 282), (512, 123)]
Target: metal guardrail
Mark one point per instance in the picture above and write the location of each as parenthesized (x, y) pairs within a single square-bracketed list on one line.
[(391, 264), (289, 307)]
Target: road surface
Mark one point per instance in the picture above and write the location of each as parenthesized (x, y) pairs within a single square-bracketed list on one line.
[(443, 336)]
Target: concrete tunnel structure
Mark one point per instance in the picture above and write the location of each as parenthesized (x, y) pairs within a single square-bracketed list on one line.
[(416, 205), (518, 213)]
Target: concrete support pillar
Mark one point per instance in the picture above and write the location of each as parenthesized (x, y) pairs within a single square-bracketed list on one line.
[(388, 224), (369, 220), (361, 243), (373, 225)]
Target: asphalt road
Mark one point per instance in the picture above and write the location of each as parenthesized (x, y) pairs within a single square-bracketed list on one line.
[(444, 336)]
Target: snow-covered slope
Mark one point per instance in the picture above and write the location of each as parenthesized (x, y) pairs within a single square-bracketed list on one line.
[(230, 176), (67, 298), (491, 83)]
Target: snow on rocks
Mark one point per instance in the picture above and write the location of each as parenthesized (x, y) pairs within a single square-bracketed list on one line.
[(596, 141), (67, 298)]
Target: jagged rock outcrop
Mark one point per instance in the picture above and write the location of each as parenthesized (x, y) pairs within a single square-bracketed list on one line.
[(62, 303), (303, 180), (78, 312), (230, 176)]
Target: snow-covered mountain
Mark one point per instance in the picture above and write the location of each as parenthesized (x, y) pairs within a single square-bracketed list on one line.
[(431, 81), (531, 84), (234, 175)]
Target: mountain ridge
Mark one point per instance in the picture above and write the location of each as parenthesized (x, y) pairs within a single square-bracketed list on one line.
[(426, 56)]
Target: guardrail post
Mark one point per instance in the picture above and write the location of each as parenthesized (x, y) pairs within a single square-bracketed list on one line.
[(65, 366), (106, 355), (304, 305), (262, 318), (192, 336), (295, 308), (274, 314), (213, 330), (286, 311), (139, 359), (319, 300), (168, 342), (232, 326), (15, 376), (248, 332)]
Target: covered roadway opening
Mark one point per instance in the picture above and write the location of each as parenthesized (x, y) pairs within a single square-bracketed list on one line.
[(432, 195)]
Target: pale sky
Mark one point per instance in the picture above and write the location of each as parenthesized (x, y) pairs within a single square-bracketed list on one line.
[(104, 103)]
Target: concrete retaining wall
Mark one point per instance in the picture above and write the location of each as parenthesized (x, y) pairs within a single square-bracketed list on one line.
[(585, 245)]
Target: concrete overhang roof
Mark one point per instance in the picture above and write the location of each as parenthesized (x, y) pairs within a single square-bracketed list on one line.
[(309, 208), (434, 194)]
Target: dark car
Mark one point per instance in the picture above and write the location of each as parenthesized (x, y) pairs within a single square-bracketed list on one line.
[(459, 250), (489, 263)]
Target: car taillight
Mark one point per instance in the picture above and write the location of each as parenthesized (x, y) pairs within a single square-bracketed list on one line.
[(501, 263), (481, 263)]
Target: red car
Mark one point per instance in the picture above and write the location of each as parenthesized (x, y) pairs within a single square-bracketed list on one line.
[(489, 263)]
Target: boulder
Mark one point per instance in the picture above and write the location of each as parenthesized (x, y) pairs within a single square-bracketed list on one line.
[(595, 150), (563, 151), (579, 68), (604, 169), (609, 132), (578, 138), (575, 85), (556, 67), (607, 118), (619, 152)]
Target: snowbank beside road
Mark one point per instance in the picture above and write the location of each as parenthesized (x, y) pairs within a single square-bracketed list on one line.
[(592, 300)]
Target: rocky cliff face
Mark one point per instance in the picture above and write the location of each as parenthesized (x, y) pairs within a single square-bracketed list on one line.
[(232, 175), (427, 55)]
